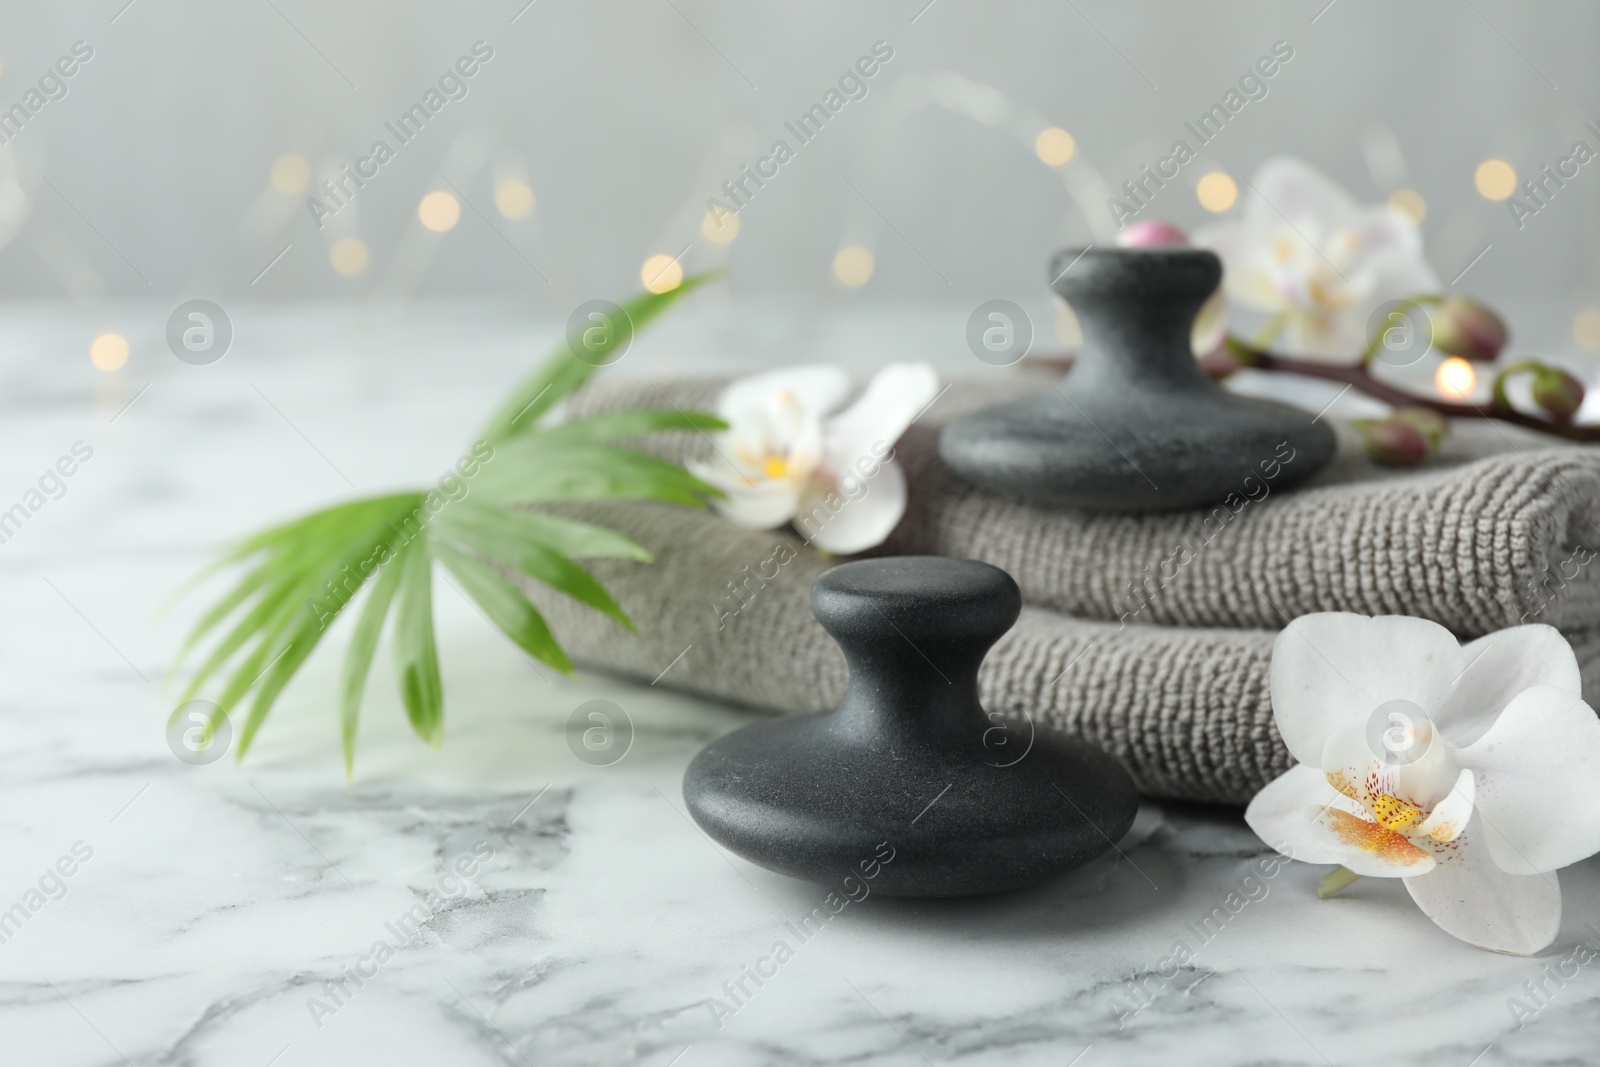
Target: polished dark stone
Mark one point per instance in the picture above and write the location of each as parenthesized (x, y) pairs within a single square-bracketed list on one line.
[(910, 766), (1136, 425)]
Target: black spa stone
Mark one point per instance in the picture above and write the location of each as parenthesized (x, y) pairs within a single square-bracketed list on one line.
[(1136, 425), (910, 767)]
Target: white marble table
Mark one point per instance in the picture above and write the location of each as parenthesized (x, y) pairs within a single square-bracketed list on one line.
[(215, 915)]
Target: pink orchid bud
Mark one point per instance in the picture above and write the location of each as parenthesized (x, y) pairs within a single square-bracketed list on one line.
[(1466, 328), (1558, 392), (1151, 234), (1394, 442), (1432, 425)]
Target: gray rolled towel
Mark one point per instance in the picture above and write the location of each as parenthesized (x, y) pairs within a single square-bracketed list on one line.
[(1498, 529), (725, 613)]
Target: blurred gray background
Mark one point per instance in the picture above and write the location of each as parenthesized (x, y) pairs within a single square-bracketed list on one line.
[(153, 177)]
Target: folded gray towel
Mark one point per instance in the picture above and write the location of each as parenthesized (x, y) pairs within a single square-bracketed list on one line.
[(725, 613), (1500, 528)]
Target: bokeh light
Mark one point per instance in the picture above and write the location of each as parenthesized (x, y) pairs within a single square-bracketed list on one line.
[(1408, 203), (109, 352), (1496, 179), (290, 174), (852, 265), (1055, 146), (1216, 191), (348, 255), (720, 232), (1586, 328), (1455, 378), (661, 274), (514, 199), (439, 211)]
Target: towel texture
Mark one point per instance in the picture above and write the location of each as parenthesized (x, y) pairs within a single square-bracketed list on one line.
[(1500, 529), (725, 613), (1163, 663)]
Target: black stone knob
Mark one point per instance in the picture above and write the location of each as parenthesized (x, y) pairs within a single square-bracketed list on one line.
[(1136, 425), (910, 788)]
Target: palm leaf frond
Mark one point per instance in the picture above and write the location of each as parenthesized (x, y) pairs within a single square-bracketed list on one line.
[(562, 373), (300, 575)]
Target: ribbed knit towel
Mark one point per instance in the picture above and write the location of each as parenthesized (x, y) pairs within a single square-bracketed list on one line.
[(725, 613), (1494, 532), (1500, 528)]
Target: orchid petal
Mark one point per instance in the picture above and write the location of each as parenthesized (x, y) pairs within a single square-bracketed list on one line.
[(1278, 814), (1471, 898), (1333, 668), (1391, 783), (1382, 230), (1500, 666), (1450, 816), (818, 387), (835, 522), (1247, 280), (1536, 769), (1210, 325), (868, 428), (762, 505), (1294, 192), (1332, 338), (1364, 847)]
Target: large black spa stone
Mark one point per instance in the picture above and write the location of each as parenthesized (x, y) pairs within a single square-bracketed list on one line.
[(910, 766), (1136, 425)]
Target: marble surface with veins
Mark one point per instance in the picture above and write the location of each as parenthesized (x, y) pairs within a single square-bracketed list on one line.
[(217, 914)]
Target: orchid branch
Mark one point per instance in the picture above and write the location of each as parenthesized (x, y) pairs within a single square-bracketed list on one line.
[(1237, 353)]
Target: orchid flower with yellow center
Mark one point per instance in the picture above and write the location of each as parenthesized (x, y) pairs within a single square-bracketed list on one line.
[(1314, 262), (785, 457), (1469, 772)]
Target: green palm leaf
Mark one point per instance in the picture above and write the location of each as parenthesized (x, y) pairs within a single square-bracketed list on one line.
[(563, 373), (358, 660), (416, 657), (506, 607), (576, 540), (300, 575)]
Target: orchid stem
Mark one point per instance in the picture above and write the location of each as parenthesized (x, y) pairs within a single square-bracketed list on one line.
[(1336, 883), (1403, 306), (1242, 353)]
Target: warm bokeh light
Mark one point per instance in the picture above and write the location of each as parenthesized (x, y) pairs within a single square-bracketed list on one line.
[(348, 255), (1586, 328), (514, 199), (290, 174), (661, 274), (1068, 332), (1496, 179), (439, 211), (852, 265), (720, 232), (109, 351), (1409, 204), (1455, 378), (1055, 146), (1216, 191)]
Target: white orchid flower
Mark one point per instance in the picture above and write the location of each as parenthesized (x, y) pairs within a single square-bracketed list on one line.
[(785, 458), (1470, 772), (1316, 262)]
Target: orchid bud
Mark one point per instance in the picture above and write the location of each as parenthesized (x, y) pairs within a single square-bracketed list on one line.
[(1466, 328), (1151, 234), (1393, 442), (1558, 392), (1432, 425)]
